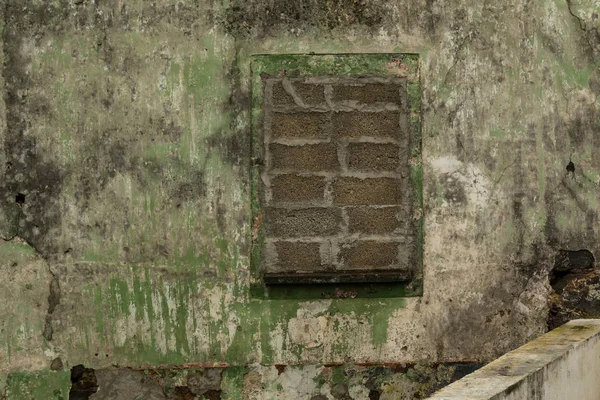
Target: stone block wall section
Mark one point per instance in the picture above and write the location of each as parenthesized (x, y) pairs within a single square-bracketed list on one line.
[(336, 180)]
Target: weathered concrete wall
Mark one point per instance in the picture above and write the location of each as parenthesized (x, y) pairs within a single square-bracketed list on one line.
[(125, 202), (563, 364)]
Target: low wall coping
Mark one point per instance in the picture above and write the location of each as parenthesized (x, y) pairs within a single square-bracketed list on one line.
[(504, 375)]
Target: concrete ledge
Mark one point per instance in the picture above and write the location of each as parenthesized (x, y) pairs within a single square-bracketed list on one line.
[(562, 364)]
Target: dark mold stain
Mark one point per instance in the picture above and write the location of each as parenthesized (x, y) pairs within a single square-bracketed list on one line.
[(233, 146), (244, 19), (517, 208), (189, 190), (33, 185), (454, 191), (456, 333), (28, 175)]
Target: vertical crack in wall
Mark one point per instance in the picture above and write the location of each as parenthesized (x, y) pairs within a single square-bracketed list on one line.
[(53, 301), (591, 34), (54, 291), (581, 21)]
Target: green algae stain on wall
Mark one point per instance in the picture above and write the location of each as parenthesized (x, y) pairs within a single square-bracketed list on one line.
[(136, 128), (3, 378), (149, 316), (49, 385)]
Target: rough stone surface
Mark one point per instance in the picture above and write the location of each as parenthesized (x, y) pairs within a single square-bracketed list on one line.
[(24, 290), (561, 364), (126, 384), (281, 97), (205, 380)]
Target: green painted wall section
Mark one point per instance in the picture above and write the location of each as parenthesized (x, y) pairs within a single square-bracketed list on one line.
[(39, 385)]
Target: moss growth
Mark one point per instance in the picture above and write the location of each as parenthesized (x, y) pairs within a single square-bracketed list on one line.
[(40, 385)]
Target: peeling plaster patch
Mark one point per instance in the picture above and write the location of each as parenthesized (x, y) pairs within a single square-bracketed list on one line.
[(218, 298), (313, 308), (474, 183), (24, 293), (403, 334), (277, 341), (446, 165), (308, 332)]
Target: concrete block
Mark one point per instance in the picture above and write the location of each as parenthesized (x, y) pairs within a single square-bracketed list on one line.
[(308, 157), (368, 191), (372, 220), (373, 156), (308, 125), (295, 188), (298, 256), (304, 222), (368, 254), (368, 93), (383, 124)]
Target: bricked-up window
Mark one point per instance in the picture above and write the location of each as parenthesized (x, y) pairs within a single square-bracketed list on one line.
[(336, 188)]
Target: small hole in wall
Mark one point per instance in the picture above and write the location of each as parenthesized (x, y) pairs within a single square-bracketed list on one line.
[(20, 198), (571, 167), (83, 383)]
